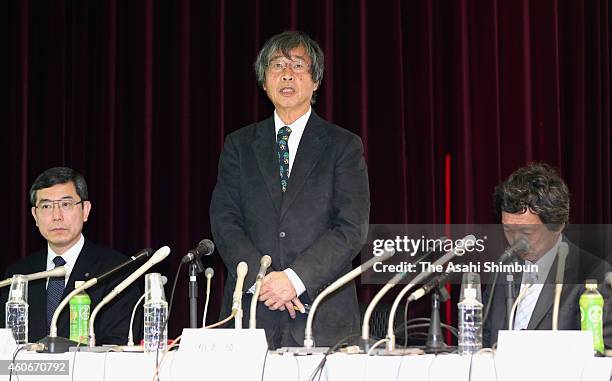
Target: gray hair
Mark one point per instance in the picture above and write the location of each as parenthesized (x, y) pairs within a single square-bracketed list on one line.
[(59, 175), (283, 43)]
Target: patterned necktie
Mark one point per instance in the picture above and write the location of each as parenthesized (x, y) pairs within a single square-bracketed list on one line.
[(55, 290), (282, 154)]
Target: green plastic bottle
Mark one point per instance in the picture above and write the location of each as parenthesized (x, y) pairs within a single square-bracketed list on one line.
[(591, 314), (79, 316)]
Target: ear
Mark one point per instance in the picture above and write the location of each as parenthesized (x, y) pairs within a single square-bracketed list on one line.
[(86, 210), (316, 86), (33, 210)]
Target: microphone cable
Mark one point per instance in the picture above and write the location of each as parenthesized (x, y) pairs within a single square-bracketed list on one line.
[(520, 297), (157, 364), (319, 368)]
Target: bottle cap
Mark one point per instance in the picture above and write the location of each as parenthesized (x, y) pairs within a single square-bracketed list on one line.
[(591, 284)]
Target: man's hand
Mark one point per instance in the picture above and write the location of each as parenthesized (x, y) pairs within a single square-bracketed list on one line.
[(277, 293)]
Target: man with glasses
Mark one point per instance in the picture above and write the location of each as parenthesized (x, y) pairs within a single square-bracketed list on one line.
[(60, 207), (295, 187)]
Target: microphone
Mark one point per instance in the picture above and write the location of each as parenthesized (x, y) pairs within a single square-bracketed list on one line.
[(241, 273), (467, 242), (159, 256), (131, 332), (208, 273), (562, 252), (264, 263), (519, 246), (206, 247), (89, 283), (308, 336), (434, 283), (58, 272), (142, 254), (365, 330)]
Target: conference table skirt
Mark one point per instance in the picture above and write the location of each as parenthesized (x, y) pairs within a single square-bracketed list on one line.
[(116, 366)]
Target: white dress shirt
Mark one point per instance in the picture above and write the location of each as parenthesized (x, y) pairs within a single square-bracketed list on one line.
[(70, 256), (537, 280), (297, 129)]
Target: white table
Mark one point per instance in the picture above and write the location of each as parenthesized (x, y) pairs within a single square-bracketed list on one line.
[(116, 366)]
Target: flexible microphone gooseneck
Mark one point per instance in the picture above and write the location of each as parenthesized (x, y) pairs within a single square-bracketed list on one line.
[(159, 256), (561, 256), (57, 272), (264, 263), (91, 282), (365, 327), (131, 332), (308, 336), (468, 242), (208, 273)]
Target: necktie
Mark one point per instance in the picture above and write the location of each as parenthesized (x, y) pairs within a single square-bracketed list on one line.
[(55, 290), (527, 304), (282, 154)]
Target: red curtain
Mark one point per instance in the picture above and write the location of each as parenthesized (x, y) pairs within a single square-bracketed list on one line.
[(139, 95)]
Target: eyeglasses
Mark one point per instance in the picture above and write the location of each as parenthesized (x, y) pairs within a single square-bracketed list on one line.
[(46, 207), (278, 65)]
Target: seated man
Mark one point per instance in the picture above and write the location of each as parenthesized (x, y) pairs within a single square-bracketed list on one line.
[(60, 207), (534, 203)]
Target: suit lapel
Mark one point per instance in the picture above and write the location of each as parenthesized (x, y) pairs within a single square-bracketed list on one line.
[(265, 150), (84, 268), (37, 299), (312, 145)]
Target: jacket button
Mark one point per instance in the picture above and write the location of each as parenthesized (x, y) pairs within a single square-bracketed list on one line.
[(282, 234)]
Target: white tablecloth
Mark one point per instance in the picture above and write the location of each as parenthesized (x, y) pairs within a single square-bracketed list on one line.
[(114, 366)]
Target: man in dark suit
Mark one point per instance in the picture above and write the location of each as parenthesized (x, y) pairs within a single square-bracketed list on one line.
[(534, 203), (295, 187), (60, 207)]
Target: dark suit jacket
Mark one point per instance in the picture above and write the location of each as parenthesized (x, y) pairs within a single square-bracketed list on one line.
[(316, 228), (113, 321), (579, 266)]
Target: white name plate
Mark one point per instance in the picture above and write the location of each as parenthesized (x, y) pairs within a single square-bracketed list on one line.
[(215, 354), (7, 343), (542, 355)]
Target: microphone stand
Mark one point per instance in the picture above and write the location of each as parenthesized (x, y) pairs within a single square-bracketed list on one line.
[(195, 268), (511, 294), (435, 339)]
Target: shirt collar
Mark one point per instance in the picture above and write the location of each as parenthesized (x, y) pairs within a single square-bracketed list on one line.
[(70, 256), (546, 261), (297, 126)]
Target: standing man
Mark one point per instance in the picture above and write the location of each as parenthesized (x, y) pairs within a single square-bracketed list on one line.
[(60, 207), (295, 187), (534, 203)]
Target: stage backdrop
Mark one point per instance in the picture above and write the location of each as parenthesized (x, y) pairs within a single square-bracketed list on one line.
[(138, 96)]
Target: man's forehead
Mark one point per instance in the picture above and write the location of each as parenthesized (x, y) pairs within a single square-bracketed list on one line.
[(525, 218), (296, 52), (57, 192)]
